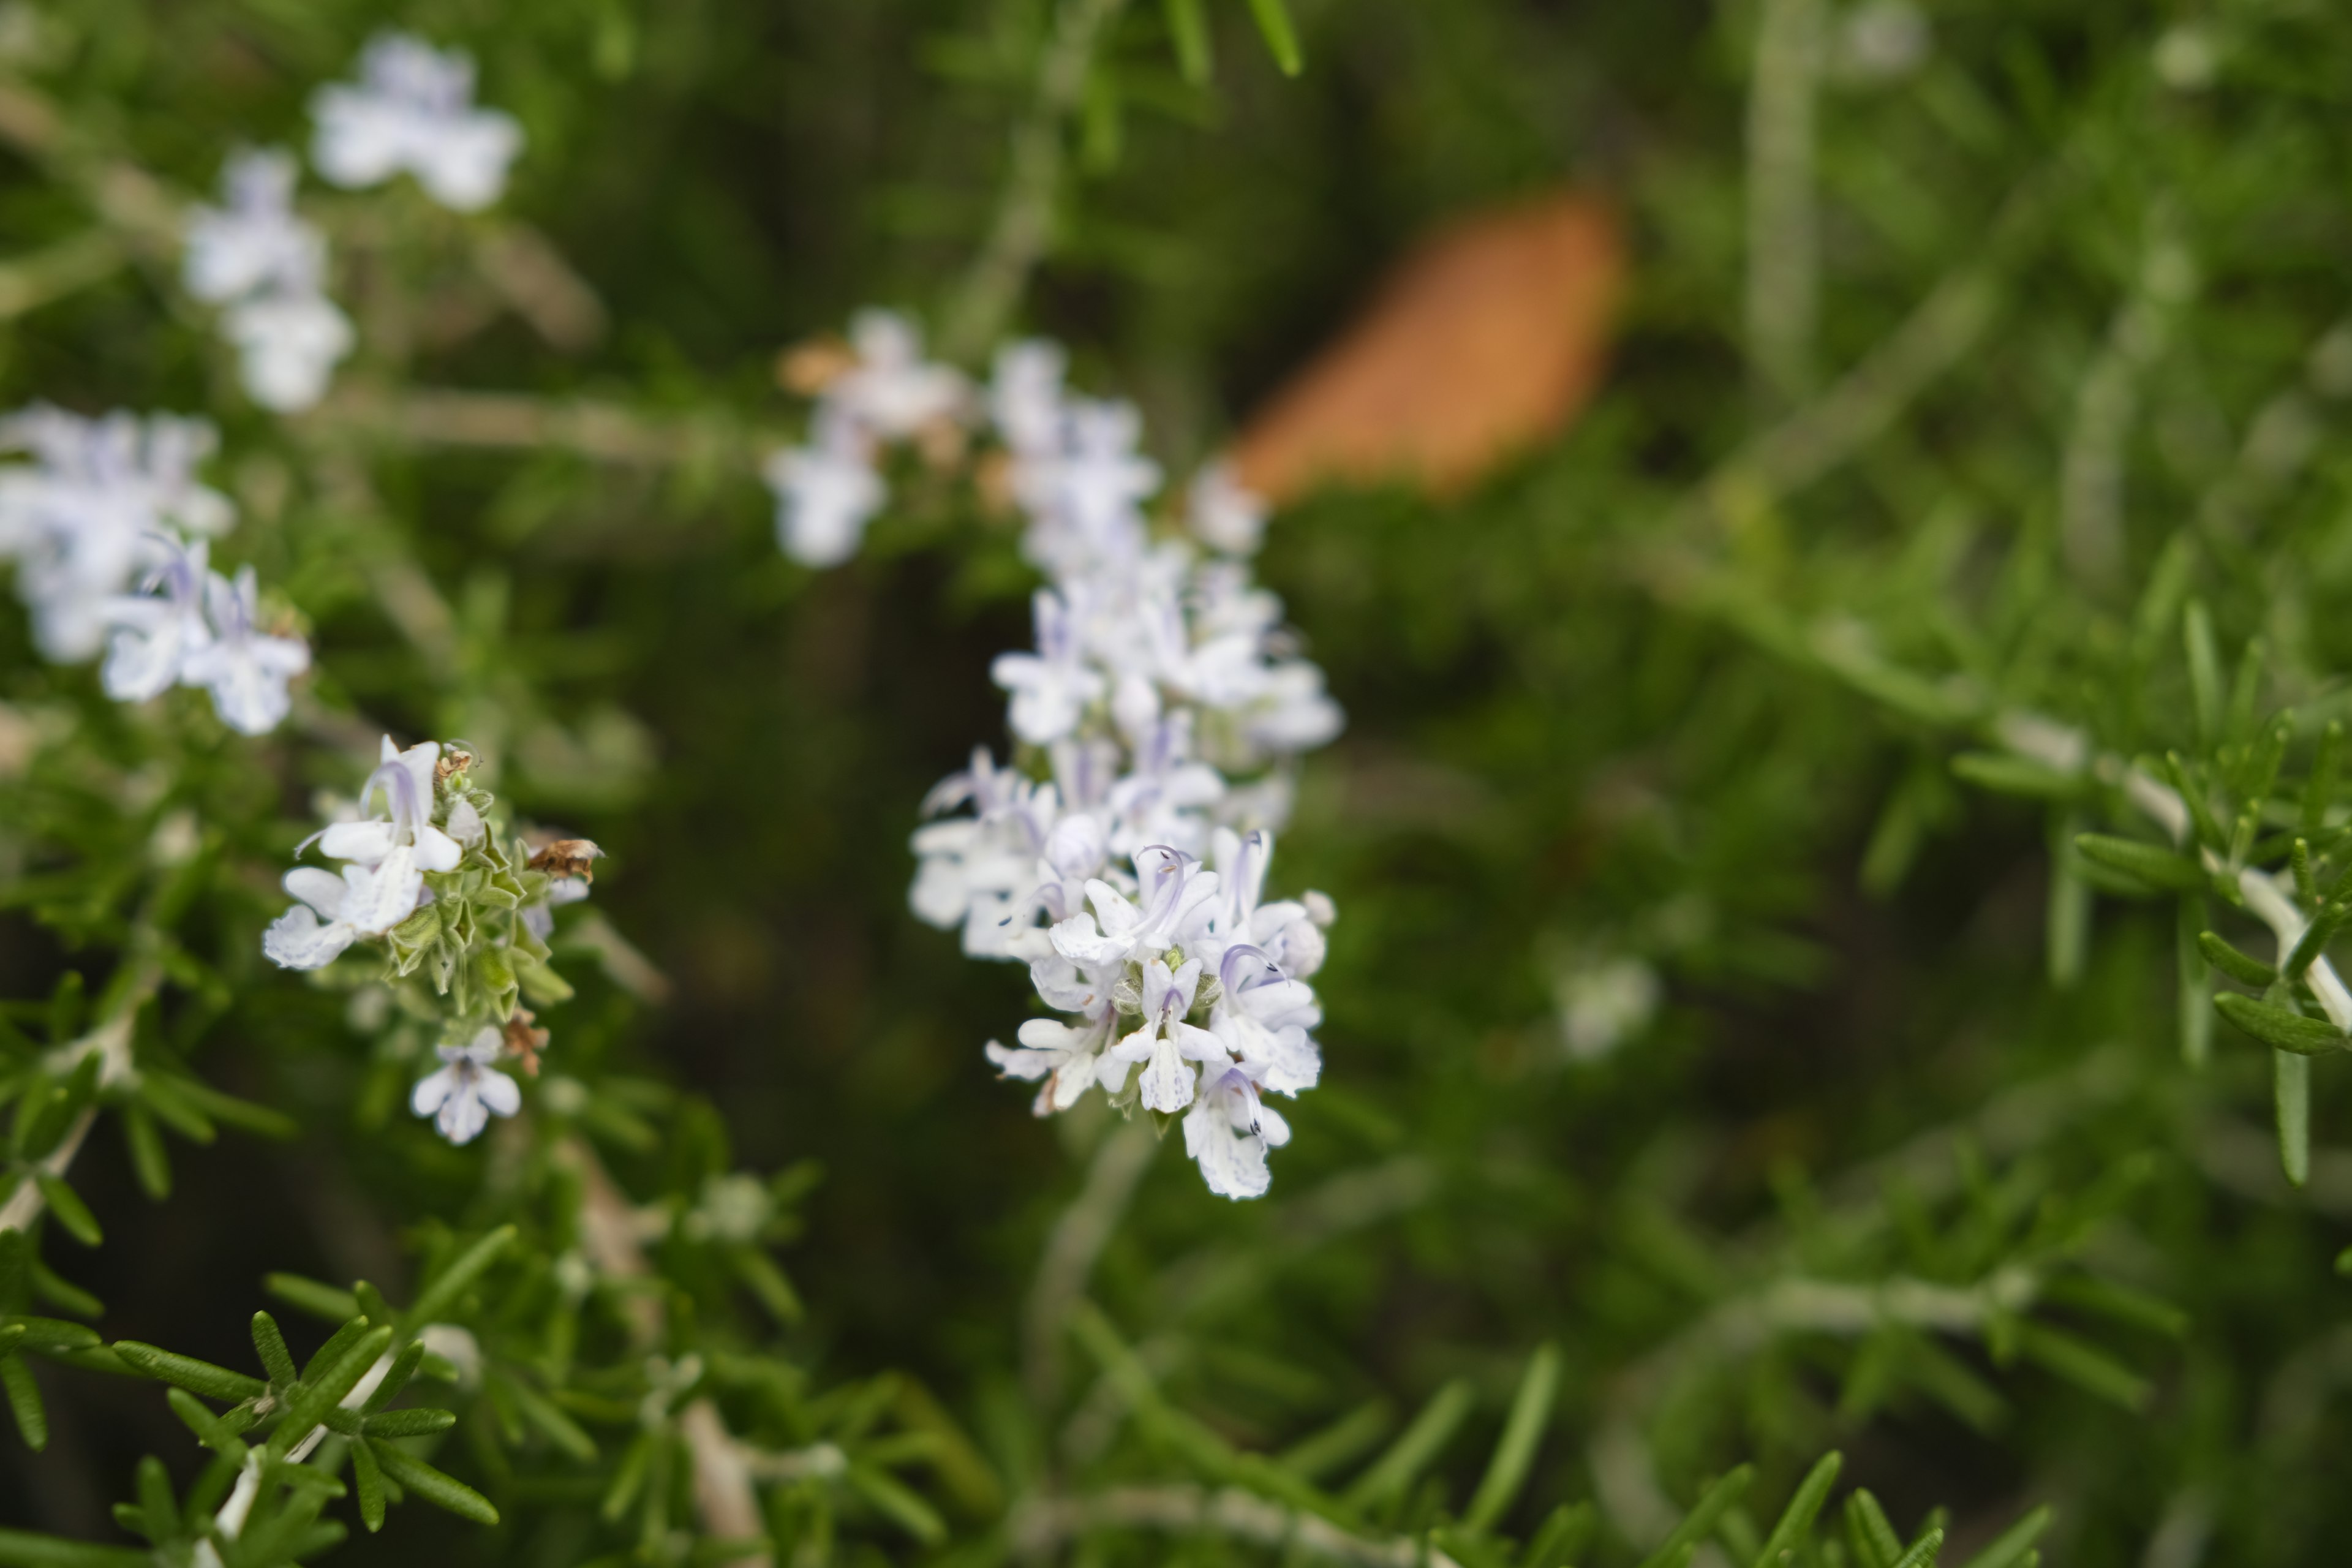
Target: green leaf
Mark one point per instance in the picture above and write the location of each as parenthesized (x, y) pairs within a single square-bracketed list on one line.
[(148, 1159), (1281, 37), (25, 1402), (1869, 1533), (2204, 671), (1414, 1448), (2083, 1365), (1562, 1536), (2149, 863), (2006, 774), (2314, 938), (2319, 785), (367, 1478), (420, 1423), (2278, 1028), (2239, 967), (270, 1346), (1700, 1522), (1796, 1524), (211, 1430), (320, 1300), (22, 1549), (1188, 29), (1923, 1555), (442, 1294), (441, 1490), (325, 1387), (559, 1429), (52, 1336), (327, 1354), (404, 1367), (72, 1212), (2290, 1102), (895, 1501), (2010, 1547), (1507, 1471), (186, 1371)]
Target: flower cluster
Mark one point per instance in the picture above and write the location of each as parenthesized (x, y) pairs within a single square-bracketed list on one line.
[(413, 111), (108, 526), (254, 257), (426, 875), (266, 268), (1123, 855)]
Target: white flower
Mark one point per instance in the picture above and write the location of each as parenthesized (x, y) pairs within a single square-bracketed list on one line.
[(1025, 397), (155, 635), (288, 345), (81, 518), (1052, 687), (1224, 516), (1603, 1002), (253, 242), (1175, 904), (1261, 1018), (1229, 1129), (301, 937), (825, 492), (892, 391), (413, 110), (1165, 1041), (468, 1090), (395, 848), (247, 671)]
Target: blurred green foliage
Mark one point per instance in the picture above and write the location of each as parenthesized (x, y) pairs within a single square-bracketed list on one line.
[(1901, 1166)]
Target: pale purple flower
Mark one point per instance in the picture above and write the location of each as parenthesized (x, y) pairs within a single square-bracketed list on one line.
[(313, 933), (1229, 1129), (246, 669), (395, 848), (1223, 515), (1165, 1042), (468, 1090), (1025, 397), (1052, 687), (253, 242), (1262, 1017), (1176, 896), (287, 346), (825, 491), (892, 390), (158, 629), (413, 110)]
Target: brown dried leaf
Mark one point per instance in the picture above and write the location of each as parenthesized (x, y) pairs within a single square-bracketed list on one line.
[(1484, 341)]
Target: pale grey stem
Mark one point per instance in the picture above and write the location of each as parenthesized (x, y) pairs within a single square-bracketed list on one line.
[(1783, 227), (1077, 1240), (1024, 223), (1043, 1526)]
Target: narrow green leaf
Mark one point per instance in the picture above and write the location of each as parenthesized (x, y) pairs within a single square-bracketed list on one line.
[(544, 1414), (895, 1501), (404, 1367), (2005, 774), (50, 1336), (326, 1387), (420, 1423), (442, 1294), (2314, 938), (270, 1346), (1281, 37), (2156, 866), (2291, 1102), (148, 1160), (211, 1431), (2067, 924), (186, 1371), (155, 1504), (1869, 1533), (72, 1212), (1394, 1471), (1796, 1524), (1319, 1453), (2204, 671), (2244, 691), (327, 1354), (1507, 1471), (1563, 1536), (2319, 785), (2192, 795), (441, 1490), (2193, 1007), (2234, 963), (2011, 1548), (1188, 29), (2121, 1302), (2083, 1365), (1923, 1555), (1700, 1522), (2278, 1028), (367, 1478), (22, 1549), (320, 1300), (25, 1402)]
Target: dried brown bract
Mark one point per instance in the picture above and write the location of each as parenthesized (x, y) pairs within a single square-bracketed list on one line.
[(568, 857), (451, 764), (523, 1042), (808, 367)]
